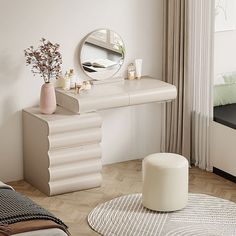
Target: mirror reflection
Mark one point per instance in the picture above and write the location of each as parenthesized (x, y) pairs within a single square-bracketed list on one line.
[(102, 54)]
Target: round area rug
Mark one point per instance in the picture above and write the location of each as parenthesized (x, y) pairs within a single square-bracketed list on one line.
[(204, 216)]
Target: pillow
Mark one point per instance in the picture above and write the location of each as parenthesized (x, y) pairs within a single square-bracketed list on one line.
[(224, 94), (230, 78)]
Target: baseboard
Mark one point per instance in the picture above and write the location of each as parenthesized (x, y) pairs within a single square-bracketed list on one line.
[(224, 174)]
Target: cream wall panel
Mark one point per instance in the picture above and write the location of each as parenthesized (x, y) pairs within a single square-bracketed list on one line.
[(136, 139)]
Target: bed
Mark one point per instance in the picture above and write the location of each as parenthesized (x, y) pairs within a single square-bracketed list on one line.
[(44, 232), (23, 221), (223, 127), (226, 115)]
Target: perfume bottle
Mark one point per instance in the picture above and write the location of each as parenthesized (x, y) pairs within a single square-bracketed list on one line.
[(131, 71), (67, 81)]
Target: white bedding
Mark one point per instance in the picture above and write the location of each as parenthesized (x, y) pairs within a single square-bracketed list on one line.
[(44, 232)]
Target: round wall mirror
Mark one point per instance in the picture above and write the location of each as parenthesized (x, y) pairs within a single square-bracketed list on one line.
[(102, 54)]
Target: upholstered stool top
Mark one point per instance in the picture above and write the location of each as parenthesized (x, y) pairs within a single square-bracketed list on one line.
[(166, 160)]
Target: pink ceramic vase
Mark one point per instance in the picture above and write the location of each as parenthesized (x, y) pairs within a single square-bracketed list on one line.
[(48, 103)]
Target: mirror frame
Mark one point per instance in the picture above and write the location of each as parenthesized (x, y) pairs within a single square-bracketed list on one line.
[(81, 49)]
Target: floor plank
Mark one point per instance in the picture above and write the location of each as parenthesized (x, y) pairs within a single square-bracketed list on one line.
[(119, 179)]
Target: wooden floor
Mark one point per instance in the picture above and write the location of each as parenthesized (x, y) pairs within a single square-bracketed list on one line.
[(119, 179)]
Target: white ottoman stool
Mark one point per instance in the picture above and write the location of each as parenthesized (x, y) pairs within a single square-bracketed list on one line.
[(165, 182)]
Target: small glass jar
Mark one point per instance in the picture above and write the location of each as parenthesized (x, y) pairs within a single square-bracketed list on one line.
[(131, 71)]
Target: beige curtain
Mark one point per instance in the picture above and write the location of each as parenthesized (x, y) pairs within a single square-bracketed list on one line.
[(175, 64), (188, 64), (200, 68)]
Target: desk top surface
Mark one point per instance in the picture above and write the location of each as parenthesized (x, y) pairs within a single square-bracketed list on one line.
[(117, 94), (121, 87)]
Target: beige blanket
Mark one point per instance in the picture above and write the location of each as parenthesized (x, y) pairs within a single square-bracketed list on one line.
[(28, 226), (5, 186)]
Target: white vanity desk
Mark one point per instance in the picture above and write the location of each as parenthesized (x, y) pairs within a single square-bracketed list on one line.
[(62, 151)]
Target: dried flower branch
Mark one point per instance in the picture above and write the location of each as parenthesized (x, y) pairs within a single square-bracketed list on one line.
[(46, 60)]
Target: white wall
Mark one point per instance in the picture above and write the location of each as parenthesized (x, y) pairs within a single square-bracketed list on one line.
[(225, 51), (24, 22)]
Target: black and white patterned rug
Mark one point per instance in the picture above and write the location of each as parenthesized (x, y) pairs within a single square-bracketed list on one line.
[(204, 216)]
